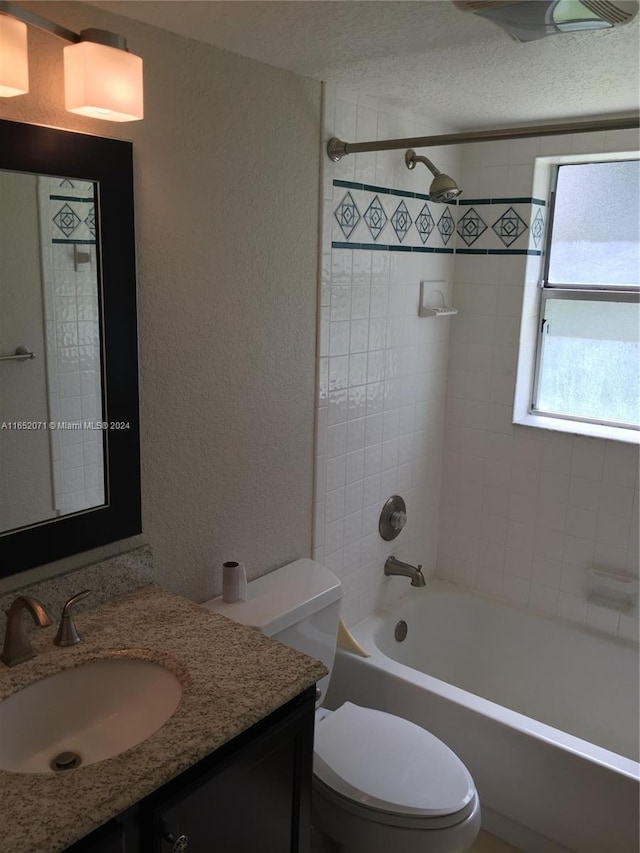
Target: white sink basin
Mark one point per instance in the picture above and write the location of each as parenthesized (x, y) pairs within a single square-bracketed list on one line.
[(94, 711)]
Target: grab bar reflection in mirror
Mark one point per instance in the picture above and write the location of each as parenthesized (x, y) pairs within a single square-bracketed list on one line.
[(20, 354)]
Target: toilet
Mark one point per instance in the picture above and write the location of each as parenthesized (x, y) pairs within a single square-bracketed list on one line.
[(380, 783)]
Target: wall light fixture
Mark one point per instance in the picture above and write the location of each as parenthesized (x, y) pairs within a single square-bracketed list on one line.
[(101, 78)]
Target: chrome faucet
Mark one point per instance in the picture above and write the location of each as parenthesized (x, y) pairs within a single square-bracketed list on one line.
[(405, 570), (17, 646)]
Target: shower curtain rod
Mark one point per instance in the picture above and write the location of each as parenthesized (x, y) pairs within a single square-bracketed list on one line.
[(337, 148)]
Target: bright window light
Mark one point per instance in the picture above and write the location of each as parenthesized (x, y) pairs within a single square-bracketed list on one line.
[(588, 347)]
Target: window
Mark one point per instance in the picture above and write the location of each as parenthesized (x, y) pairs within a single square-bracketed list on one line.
[(586, 365)]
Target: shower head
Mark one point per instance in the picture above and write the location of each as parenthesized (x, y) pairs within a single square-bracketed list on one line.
[(443, 187)]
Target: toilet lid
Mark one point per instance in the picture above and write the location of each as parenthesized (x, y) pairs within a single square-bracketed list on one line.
[(390, 764)]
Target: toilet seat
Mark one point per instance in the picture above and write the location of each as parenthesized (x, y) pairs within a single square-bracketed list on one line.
[(373, 762), (389, 819)]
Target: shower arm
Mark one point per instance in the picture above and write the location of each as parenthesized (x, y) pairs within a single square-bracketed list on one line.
[(337, 148), (411, 158)]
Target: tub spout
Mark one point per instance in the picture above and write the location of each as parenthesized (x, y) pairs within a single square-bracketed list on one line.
[(405, 570)]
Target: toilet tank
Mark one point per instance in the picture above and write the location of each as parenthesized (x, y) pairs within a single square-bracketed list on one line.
[(299, 605)]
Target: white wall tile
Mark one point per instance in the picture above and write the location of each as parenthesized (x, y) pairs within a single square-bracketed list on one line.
[(616, 500), (580, 522), (552, 504), (577, 551), (629, 626), (338, 338), (587, 458), (620, 464), (572, 607), (355, 435), (585, 494), (612, 530), (621, 140), (354, 466), (543, 599), (602, 619), (613, 557), (587, 143), (353, 497)]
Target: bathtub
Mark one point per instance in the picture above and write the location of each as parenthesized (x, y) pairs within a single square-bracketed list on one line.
[(544, 714)]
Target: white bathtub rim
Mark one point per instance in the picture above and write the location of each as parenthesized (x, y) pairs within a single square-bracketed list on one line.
[(364, 632)]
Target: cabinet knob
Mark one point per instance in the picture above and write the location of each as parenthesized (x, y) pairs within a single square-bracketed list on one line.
[(180, 844)]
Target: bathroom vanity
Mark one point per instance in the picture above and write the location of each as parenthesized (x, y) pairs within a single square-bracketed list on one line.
[(230, 769), (253, 794)]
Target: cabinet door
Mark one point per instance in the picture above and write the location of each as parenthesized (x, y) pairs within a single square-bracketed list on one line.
[(108, 839), (255, 803)]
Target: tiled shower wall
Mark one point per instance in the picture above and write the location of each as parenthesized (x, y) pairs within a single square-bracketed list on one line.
[(72, 332), (382, 370), (524, 512)]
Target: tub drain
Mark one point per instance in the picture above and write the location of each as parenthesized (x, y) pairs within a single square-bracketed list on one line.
[(400, 632), (66, 761)]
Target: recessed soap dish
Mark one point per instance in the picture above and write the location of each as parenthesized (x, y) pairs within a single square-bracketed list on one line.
[(442, 310), (608, 589)]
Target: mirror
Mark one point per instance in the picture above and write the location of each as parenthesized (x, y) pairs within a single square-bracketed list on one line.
[(69, 437), (51, 449)]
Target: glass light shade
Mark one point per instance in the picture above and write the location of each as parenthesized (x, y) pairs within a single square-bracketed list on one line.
[(14, 65), (103, 82)]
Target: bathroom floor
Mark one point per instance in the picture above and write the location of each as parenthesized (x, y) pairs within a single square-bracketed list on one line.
[(485, 843)]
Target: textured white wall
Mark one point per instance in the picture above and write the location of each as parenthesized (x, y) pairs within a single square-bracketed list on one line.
[(525, 512), (226, 182)]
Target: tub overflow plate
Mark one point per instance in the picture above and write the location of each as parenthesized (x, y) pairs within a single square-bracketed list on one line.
[(400, 632)]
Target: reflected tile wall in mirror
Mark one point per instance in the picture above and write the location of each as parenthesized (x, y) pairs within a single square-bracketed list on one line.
[(73, 340)]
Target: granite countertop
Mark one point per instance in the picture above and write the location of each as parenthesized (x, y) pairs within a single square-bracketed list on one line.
[(231, 676)]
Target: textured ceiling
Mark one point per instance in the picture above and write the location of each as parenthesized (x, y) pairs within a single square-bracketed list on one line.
[(426, 54)]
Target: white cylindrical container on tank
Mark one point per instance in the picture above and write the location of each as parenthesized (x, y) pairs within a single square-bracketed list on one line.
[(234, 582)]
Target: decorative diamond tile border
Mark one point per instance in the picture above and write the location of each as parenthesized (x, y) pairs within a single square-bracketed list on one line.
[(73, 212), (376, 218), (537, 228), (411, 222), (90, 221), (471, 226), (401, 221), (446, 226), (509, 226), (347, 215), (67, 220), (510, 233), (424, 223)]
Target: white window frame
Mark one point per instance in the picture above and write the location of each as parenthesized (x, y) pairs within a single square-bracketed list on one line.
[(532, 304)]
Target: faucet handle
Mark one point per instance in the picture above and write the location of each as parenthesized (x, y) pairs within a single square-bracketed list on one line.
[(17, 647), (67, 632)]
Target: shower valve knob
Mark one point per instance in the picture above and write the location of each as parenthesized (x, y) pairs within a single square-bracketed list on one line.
[(392, 518)]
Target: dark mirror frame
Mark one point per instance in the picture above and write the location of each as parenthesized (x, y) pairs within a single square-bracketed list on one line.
[(108, 162)]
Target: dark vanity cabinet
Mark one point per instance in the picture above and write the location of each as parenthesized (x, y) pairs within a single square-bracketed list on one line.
[(252, 795)]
